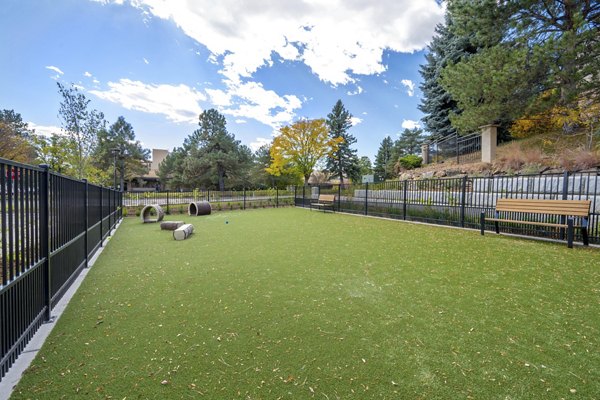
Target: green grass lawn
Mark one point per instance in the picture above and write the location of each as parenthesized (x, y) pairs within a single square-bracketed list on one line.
[(294, 304)]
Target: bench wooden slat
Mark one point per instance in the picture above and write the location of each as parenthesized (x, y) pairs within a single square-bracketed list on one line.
[(579, 208)]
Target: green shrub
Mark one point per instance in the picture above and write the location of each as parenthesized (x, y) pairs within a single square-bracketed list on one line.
[(410, 161), (124, 211)]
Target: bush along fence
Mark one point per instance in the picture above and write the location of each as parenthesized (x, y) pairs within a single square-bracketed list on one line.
[(50, 227), (460, 201), (177, 202)]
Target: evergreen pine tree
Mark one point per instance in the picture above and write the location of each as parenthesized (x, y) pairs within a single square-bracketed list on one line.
[(384, 163), (344, 162), (437, 104)]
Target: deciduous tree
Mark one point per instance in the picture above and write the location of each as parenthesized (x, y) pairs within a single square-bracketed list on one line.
[(81, 125), (15, 138), (301, 146)]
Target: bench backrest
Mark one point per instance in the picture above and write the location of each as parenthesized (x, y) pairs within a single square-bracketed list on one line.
[(327, 198), (577, 208)]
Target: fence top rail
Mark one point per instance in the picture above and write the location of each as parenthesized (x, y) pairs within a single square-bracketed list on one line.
[(455, 136), (19, 165)]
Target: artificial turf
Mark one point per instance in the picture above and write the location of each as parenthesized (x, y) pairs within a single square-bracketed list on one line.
[(295, 304)]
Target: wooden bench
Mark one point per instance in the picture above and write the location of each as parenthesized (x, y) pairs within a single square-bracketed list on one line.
[(325, 201), (567, 209)]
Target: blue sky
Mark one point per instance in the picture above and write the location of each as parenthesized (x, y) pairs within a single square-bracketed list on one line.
[(261, 63)]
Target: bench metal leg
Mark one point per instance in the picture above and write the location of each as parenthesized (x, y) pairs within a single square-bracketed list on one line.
[(570, 230), (497, 226), (482, 220)]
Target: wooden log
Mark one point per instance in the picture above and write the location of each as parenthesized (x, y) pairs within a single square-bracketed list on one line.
[(199, 208), (183, 232), (146, 214), (170, 225)]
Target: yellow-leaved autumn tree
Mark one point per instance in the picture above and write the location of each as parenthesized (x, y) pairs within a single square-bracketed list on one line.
[(301, 146)]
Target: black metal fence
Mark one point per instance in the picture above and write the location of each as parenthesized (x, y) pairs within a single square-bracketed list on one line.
[(229, 199), (50, 226), (460, 201), (462, 149)]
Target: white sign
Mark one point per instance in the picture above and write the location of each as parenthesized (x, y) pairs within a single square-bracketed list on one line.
[(368, 178)]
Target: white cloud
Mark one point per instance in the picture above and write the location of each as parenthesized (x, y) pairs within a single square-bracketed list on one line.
[(146, 61), (358, 90), (57, 70), (252, 100), (410, 124), (87, 74), (45, 130), (355, 121), (336, 39), (178, 103), (240, 121), (258, 143), (410, 86)]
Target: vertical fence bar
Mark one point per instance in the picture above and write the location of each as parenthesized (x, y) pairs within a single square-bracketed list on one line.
[(463, 201), (86, 223), (339, 197), (45, 237), (404, 199), (367, 198), (244, 199), (277, 197), (3, 172), (303, 195), (565, 196)]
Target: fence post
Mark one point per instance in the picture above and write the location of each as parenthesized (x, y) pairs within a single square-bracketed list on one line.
[(339, 197), (565, 196), (404, 195), (295, 190), (45, 238), (168, 211), (244, 198), (463, 201), (277, 197), (86, 222), (367, 198)]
